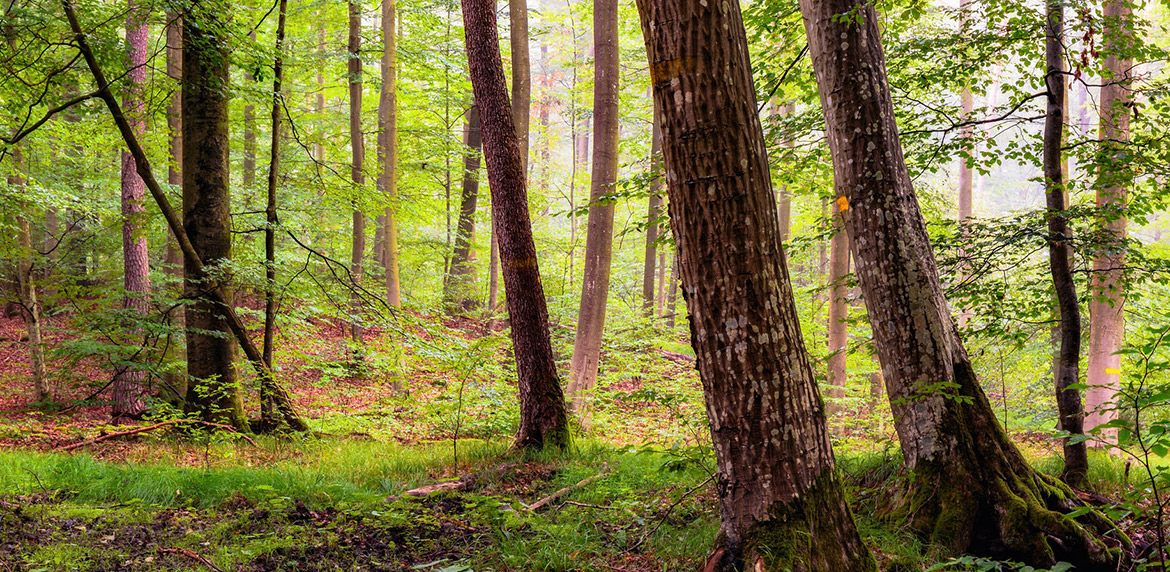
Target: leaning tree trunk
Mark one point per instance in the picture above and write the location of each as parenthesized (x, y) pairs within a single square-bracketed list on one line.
[(778, 486), (838, 330), (458, 288), (1067, 367), (970, 489), (388, 153), (543, 417), (129, 383), (599, 236), (1106, 316), (357, 172), (214, 392), (653, 208), (267, 399)]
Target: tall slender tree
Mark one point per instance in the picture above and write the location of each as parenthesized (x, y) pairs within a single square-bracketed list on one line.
[(129, 383), (267, 399), (176, 381), (599, 237), (1106, 307), (543, 415), (653, 208), (357, 168), (388, 152), (214, 391), (970, 488), (1067, 366), (25, 277), (521, 75), (778, 487), (838, 329)]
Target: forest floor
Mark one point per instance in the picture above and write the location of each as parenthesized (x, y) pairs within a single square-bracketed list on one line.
[(418, 414)]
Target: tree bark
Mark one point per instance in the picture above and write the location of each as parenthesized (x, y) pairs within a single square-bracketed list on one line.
[(458, 288), (1106, 307), (1067, 370), (599, 237), (267, 399), (543, 417), (970, 489), (176, 381), (777, 483), (521, 75), (838, 329), (388, 152), (653, 208), (129, 383), (357, 172), (214, 391), (213, 159)]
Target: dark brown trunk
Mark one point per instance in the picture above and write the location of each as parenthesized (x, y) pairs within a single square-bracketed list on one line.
[(129, 382), (459, 287), (777, 483), (1067, 367), (543, 418), (267, 399), (599, 237), (1107, 304), (970, 489), (214, 391)]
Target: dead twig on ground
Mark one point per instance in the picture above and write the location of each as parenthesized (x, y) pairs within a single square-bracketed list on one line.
[(193, 556), (135, 431), (550, 498)]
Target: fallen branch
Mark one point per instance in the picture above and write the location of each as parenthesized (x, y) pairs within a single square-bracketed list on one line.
[(550, 498), (193, 556), (676, 357), (463, 483), (587, 505), (138, 430)]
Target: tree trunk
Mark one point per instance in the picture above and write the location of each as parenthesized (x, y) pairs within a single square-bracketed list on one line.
[(458, 288), (1106, 316), (521, 75), (207, 104), (1067, 371), (543, 417), (970, 489), (653, 206), (249, 175), (214, 391), (267, 399), (357, 172), (838, 329), (777, 483), (30, 311), (176, 381), (388, 152), (672, 295), (599, 237), (785, 208), (129, 383)]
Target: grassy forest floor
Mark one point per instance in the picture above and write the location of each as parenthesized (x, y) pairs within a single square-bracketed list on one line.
[(333, 500)]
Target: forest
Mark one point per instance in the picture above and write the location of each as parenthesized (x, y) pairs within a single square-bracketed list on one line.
[(598, 285)]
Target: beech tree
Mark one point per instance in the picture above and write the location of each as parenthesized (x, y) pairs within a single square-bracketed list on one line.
[(357, 168), (1107, 304), (129, 383), (838, 329), (777, 481), (653, 211), (543, 415), (599, 234), (970, 489), (388, 152), (214, 391)]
